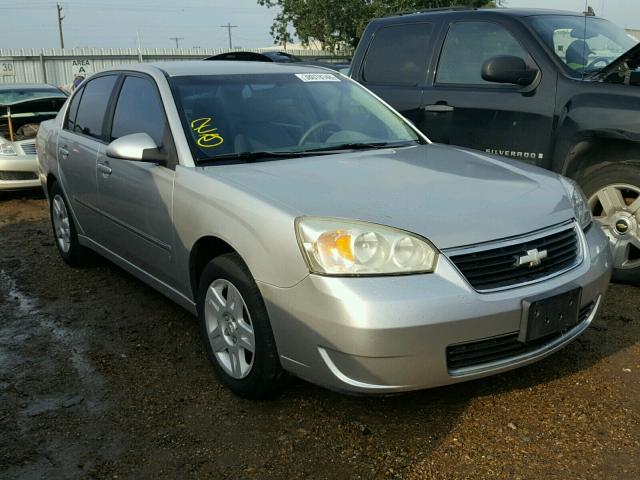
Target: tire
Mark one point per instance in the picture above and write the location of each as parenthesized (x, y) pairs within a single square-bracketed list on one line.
[(613, 192), (65, 233), (232, 326)]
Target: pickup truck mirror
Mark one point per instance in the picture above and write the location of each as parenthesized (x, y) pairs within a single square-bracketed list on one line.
[(139, 147), (508, 69)]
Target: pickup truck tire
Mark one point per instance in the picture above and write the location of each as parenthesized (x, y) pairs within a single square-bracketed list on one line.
[(613, 192), (236, 331), (65, 232)]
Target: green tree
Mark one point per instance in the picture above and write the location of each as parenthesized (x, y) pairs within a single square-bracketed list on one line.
[(338, 24)]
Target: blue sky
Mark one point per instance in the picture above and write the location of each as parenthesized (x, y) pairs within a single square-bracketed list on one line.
[(113, 23)]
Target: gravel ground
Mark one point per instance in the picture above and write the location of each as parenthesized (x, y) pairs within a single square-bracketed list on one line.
[(102, 377)]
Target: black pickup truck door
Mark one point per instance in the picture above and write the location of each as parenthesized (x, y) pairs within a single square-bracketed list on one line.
[(396, 63), (460, 108)]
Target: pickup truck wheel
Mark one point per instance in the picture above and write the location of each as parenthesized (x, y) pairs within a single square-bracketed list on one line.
[(236, 330), (614, 198), (64, 231)]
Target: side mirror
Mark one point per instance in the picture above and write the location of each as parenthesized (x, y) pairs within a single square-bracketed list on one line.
[(508, 69), (139, 147)]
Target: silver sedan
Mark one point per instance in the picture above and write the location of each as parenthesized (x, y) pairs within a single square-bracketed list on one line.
[(315, 232)]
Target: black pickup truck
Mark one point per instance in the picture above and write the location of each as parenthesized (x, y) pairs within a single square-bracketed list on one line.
[(555, 89)]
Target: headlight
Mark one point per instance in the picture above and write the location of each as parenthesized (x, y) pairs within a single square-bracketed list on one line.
[(6, 148), (580, 203), (332, 246)]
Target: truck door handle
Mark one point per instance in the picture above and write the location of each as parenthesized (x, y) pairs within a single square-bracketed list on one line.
[(104, 169), (64, 153), (438, 108)]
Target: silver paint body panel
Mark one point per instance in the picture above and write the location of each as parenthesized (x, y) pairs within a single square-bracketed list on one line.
[(367, 335)]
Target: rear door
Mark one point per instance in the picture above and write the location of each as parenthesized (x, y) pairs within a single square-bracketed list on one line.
[(135, 198), (79, 143), (461, 108), (395, 66)]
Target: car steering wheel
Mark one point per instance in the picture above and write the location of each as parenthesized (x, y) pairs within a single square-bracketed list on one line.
[(597, 60), (315, 127)]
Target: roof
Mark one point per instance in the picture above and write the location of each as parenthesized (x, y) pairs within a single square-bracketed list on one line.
[(222, 67), (510, 12), (27, 86)]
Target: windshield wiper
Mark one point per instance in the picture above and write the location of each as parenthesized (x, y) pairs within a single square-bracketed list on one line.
[(261, 155), (361, 146)]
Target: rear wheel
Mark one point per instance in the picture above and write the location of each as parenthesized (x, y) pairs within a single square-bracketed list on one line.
[(614, 198), (236, 330), (64, 231)]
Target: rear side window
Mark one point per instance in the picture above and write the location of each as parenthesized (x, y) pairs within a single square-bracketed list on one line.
[(398, 55), (469, 45), (93, 106), (73, 110), (139, 110)]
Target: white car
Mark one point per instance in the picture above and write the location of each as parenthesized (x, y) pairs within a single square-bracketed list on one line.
[(22, 108)]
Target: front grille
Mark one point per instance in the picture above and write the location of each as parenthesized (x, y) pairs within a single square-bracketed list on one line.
[(500, 348), (28, 148), (496, 267), (18, 176)]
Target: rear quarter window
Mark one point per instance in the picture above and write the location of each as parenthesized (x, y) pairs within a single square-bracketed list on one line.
[(398, 55)]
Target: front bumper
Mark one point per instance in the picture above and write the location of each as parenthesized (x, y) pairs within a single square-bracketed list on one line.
[(18, 172), (390, 334)]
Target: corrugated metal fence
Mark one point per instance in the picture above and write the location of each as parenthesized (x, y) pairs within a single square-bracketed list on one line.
[(58, 67)]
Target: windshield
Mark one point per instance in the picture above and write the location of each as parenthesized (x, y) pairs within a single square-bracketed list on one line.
[(21, 94), (242, 114), (583, 50)]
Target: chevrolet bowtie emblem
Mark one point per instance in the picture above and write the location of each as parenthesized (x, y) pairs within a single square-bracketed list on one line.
[(533, 258)]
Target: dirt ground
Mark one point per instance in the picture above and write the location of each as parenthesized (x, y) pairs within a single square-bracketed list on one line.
[(102, 377)]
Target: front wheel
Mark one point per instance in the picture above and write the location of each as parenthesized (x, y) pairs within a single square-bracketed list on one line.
[(614, 198), (236, 330)]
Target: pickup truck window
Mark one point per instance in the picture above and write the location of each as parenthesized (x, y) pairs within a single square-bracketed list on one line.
[(468, 46), (139, 110), (93, 106), (584, 45), (399, 55)]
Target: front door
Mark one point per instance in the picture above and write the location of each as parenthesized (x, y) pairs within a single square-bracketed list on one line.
[(461, 108), (136, 197)]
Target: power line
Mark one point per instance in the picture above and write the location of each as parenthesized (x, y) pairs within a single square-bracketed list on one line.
[(228, 26), (177, 40)]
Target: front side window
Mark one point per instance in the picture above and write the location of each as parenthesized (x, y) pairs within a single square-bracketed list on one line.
[(398, 55), (93, 106), (292, 113), (139, 110), (468, 46), (584, 44)]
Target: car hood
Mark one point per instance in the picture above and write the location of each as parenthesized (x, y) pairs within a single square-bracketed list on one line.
[(630, 60), (452, 196)]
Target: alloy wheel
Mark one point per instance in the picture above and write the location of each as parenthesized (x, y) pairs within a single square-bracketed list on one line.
[(61, 223), (229, 329), (616, 208)]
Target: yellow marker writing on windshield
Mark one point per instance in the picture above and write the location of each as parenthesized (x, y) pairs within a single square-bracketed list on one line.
[(207, 137)]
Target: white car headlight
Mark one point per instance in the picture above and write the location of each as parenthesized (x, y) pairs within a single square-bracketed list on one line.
[(6, 148), (332, 246), (580, 203)]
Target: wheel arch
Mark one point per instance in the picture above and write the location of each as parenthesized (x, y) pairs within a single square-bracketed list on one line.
[(588, 155), (204, 250)]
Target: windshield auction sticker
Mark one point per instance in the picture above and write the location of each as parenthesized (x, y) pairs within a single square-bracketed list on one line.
[(317, 77)]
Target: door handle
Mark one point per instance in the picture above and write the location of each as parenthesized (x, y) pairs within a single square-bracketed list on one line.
[(104, 169), (438, 108), (64, 153)]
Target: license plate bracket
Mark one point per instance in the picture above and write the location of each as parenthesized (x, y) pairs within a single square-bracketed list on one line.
[(544, 316)]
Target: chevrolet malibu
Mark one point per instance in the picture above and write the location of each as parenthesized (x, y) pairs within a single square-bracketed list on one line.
[(315, 232)]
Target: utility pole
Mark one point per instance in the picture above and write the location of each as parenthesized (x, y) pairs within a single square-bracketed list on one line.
[(228, 26), (177, 40), (60, 18)]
